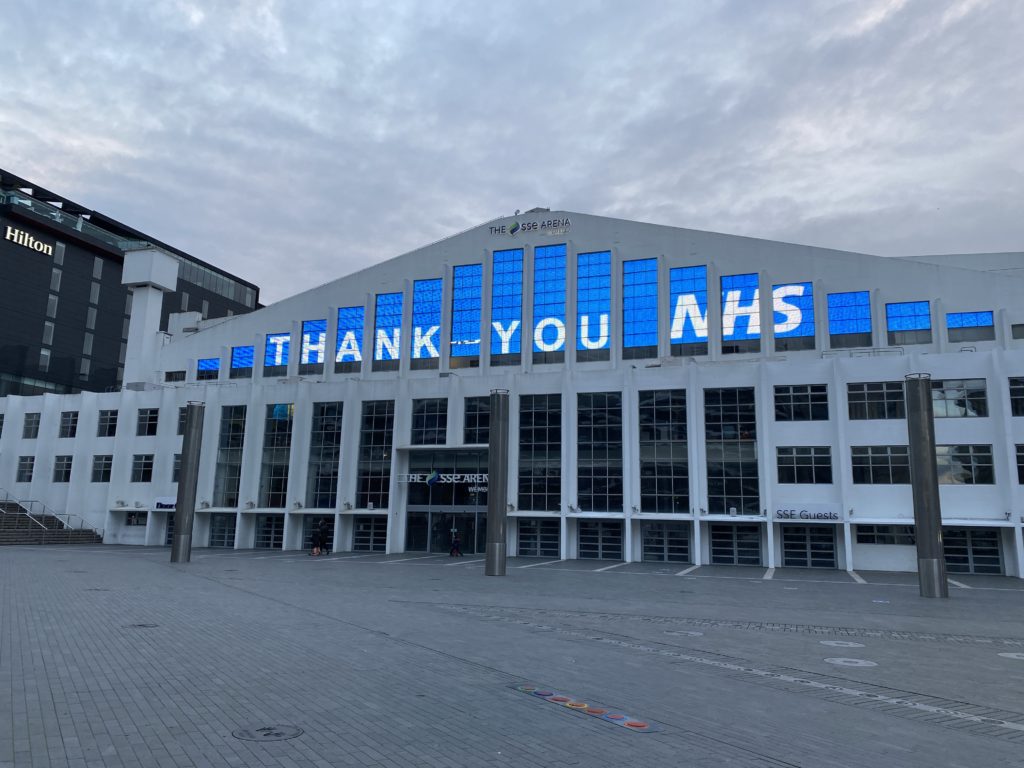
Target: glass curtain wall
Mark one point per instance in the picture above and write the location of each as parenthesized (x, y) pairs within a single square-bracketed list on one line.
[(324, 456), (228, 472)]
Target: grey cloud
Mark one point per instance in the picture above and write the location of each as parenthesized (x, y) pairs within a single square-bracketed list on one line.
[(293, 143)]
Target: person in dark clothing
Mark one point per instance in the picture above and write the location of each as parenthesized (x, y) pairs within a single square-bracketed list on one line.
[(314, 542), (325, 537), (456, 543)]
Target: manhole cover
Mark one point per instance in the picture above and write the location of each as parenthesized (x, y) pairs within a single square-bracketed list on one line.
[(268, 733), (142, 626), (841, 643), (851, 662)]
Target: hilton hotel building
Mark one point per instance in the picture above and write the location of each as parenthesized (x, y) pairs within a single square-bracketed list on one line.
[(676, 396)]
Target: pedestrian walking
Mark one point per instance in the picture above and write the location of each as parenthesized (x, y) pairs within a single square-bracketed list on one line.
[(314, 542), (325, 537), (455, 551)]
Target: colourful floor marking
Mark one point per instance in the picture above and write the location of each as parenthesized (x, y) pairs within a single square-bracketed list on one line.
[(569, 702)]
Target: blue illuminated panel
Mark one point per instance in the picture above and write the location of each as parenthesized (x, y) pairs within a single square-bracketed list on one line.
[(793, 307), (242, 357), (350, 335), (593, 300), (908, 316), (507, 302), (387, 327), (640, 303), (276, 353), (426, 319), (314, 342), (213, 363), (467, 304), (969, 320), (688, 288), (849, 313), (741, 313), (908, 322), (549, 298)]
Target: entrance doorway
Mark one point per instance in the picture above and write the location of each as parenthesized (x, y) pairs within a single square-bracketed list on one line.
[(269, 532), (735, 544), (666, 542), (972, 550), (432, 530), (222, 529), (808, 546), (600, 539), (539, 537)]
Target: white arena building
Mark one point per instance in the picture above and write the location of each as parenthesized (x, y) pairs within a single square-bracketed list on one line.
[(676, 396)]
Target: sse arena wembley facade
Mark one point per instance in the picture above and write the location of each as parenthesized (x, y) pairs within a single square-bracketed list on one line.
[(676, 396)]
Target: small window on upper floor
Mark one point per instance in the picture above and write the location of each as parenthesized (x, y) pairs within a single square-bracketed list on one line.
[(174, 376), (970, 326), (908, 322)]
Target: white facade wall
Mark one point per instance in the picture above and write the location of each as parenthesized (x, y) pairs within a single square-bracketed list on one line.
[(948, 289)]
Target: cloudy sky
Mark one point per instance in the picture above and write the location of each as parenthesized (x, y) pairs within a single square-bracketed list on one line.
[(294, 142)]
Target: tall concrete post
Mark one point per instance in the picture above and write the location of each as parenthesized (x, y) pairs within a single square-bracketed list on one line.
[(497, 485), (188, 480), (924, 481)]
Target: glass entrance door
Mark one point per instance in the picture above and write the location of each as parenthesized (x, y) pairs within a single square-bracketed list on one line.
[(222, 529), (600, 539), (470, 527), (972, 550), (735, 544), (269, 532)]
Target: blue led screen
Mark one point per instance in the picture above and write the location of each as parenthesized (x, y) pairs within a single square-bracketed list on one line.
[(507, 302), (426, 318), (640, 303), (213, 364), (688, 288), (242, 357), (549, 298), (908, 316), (467, 305), (276, 352), (387, 327), (593, 299), (793, 310), (314, 342), (741, 312), (969, 320), (350, 334), (849, 313)]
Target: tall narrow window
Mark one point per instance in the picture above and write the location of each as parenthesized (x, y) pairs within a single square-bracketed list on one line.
[(324, 456), (476, 429), (242, 362), (793, 316), (277, 448), (313, 348), (599, 446), (664, 461), (640, 308), (540, 452), (730, 430), (348, 354), (507, 307), (275, 355), (688, 287), (741, 314), (387, 332), (376, 438), (228, 473), (549, 304), (593, 305), (425, 344), (429, 421), (467, 303)]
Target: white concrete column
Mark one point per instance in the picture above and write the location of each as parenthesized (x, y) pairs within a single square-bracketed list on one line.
[(148, 274)]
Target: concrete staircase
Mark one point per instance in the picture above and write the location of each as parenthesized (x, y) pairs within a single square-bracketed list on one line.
[(20, 525)]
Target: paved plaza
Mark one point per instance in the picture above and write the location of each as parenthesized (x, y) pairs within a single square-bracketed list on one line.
[(112, 656)]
